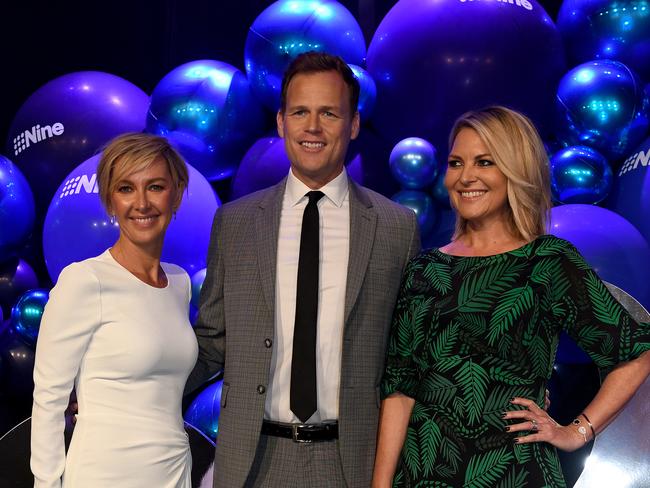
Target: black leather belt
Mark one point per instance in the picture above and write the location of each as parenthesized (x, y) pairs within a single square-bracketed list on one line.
[(302, 432)]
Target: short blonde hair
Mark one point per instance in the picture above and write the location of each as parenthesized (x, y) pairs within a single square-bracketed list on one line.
[(519, 153), (133, 152)]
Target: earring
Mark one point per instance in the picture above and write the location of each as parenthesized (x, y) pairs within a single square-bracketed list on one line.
[(113, 219), (174, 214)]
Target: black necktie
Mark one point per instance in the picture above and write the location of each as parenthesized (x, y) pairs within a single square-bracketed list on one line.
[(303, 362)]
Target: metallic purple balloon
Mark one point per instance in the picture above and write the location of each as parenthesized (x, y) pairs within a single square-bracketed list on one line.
[(16, 209), (265, 164), (66, 121), (612, 246), (434, 60), (77, 226)]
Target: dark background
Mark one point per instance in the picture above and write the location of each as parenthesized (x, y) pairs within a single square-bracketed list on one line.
[(139, 40)]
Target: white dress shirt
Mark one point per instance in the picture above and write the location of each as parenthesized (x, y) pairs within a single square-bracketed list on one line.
[(334, 238)]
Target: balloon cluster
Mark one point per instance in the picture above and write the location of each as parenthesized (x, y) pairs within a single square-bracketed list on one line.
[(414, 84)]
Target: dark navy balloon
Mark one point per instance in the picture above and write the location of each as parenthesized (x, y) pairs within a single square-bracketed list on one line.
[(290, 27), (368, 92), (602, 104), (439, 191), (422, 204), (580, 174), (17, 359), (206, 109), (77, 226), (66, 121), (263, 165), (16, 277), (607, 29), (16, 209), (612, 246), (197, 283), (203, 412), (434, 60), (413, 163), (26, 314), (630, 195)]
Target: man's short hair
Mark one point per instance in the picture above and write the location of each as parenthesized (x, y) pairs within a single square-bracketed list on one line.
[(318, 62)]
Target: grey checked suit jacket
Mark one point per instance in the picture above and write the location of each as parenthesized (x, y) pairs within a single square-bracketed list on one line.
[(236, 321)]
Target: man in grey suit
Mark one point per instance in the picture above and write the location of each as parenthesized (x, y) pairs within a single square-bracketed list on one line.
[(277, 427)]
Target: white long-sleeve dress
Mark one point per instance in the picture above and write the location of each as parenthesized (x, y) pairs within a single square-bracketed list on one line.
[(127, 348)]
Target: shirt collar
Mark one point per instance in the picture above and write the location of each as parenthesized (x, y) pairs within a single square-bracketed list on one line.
[(336, 190)]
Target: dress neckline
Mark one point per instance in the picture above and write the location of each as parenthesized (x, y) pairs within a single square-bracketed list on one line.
[(109, 256), (518, 249)]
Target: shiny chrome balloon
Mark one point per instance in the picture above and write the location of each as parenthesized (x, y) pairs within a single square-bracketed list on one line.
[(602, 104), (607, 29), (288, 28), (580, 174), (26, 314), (413, 163), (206, 109), (368, 93)]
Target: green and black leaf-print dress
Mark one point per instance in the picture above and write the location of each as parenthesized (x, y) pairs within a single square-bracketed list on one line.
[(470, 333)]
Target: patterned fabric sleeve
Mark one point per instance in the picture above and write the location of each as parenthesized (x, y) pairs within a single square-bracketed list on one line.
[(595, 319), (401, 374)]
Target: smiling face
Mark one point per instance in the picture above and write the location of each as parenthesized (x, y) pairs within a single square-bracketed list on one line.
[(317, 126), (143, 203), (478, 190)]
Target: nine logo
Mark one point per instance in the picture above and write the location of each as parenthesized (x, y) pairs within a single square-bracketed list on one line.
[(73, 186), (35, 135), (633, 161)]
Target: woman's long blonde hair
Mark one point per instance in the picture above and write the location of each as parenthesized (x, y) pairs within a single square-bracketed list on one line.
[(519, 153)]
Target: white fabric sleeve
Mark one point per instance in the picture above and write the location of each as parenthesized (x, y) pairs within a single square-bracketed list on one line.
[(70, 317)]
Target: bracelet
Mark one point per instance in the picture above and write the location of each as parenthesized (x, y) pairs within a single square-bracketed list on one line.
[(593, 431), (581, 429)]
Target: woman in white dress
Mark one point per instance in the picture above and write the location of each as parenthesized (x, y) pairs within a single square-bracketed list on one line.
[(116, 329)]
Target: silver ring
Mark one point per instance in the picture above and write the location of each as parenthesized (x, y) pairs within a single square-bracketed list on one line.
[(534, 428)]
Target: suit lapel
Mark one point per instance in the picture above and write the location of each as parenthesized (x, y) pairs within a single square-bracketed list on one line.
[(363, 221), (267, 226)]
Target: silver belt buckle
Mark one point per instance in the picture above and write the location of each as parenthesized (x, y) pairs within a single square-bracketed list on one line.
[(294, 434)]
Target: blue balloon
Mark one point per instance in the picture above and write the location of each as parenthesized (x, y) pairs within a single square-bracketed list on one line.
[(612, 246), (203, 412), (26, 314), (288, 28), (422, 204), (580, 174), (602, 104), (206, 109), (439, 191), (66, 121), (16, 209), (264, 165), (197, 283), (630, 196), (77, 226), (434, 60), (368, 92), (607, 29), (413, 163)]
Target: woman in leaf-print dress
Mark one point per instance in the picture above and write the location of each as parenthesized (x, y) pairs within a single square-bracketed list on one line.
[(477, 323)]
